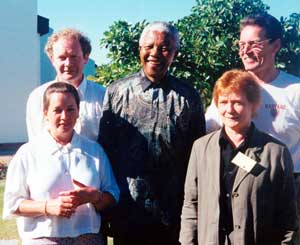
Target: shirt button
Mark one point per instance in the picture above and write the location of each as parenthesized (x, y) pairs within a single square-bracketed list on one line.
[(237, 227), (235, 194), (227, 195)]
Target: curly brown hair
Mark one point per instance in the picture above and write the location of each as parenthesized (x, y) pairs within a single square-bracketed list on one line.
[(69, 33)]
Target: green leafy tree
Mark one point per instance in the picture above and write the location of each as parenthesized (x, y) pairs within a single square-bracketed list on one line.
[(288, 58), (121, 41), (208, 38), (208, 44)]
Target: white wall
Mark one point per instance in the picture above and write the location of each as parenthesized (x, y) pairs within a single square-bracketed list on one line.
[(19, 64), (47, 72)]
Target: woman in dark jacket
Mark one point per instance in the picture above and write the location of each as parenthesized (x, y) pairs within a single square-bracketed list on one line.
[(239, 185)]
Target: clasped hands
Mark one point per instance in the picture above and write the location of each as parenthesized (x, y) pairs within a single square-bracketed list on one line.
[(68, 201)]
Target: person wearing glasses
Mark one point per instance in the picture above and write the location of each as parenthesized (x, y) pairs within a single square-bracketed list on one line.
[(279, 113)]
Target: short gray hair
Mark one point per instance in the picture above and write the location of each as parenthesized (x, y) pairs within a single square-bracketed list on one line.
[(161, 26)]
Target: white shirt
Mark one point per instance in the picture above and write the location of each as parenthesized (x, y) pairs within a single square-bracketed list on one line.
[(41, 169), (91, 99), (278, 115)]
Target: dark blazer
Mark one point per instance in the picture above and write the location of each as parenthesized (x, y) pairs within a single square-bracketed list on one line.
[(263, 201)]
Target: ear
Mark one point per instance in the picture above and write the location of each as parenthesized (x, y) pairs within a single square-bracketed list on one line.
[(86, 58), (175, 54), (51, 59), (276, 46), (77, 114), (255, 108), (45, 115)]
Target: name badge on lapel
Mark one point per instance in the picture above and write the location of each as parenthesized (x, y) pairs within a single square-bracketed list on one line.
[(244, 162)]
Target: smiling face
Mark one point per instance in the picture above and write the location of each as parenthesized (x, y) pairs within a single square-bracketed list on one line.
[(260, 58), (68, 60), (235, 111), (61, 115), (157, 51)]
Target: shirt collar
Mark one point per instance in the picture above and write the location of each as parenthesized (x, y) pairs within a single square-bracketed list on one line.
[(52, 147), (147, 84), (81, 89), (223, 140)]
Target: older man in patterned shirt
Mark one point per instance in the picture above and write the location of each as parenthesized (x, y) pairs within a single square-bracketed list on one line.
[(150, 121)]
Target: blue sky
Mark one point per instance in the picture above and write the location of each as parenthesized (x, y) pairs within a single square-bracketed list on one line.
[(93, 17)]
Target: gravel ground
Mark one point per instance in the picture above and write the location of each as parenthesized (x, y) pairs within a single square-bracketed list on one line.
[(7, 151), (5, 159)]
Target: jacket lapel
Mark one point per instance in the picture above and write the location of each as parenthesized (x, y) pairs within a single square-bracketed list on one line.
[(253, 152), (216, 160)]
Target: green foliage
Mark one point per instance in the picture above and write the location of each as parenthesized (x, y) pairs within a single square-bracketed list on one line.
[(8, 227), (208, 38), (122, 43), (208, 47), (289, 56)]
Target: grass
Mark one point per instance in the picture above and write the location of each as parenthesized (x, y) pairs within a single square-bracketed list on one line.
[(8, 228)]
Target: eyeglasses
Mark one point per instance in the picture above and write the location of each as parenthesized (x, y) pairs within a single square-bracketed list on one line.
[(255, 44)]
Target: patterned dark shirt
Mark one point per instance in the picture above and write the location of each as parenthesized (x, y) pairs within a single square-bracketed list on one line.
[(147, 131)]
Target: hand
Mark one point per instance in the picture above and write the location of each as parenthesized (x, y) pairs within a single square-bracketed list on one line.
[(62, 206), (82, 194)]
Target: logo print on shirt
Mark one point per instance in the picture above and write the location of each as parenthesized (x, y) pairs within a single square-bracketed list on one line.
[(274, 112), (275, 109)]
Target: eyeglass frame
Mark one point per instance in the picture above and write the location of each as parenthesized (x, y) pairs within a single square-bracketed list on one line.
[(251, 43)]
